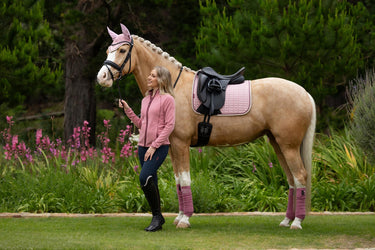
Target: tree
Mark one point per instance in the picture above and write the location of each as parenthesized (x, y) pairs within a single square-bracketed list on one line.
[(83, 26), (83, 35), (25, 41), (312, 42)]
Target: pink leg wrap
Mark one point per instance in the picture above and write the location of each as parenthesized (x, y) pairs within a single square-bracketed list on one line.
[(180, 199), (187, 201), (289, 210), (300, 203)]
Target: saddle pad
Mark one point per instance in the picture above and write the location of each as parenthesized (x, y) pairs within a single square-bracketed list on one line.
[(237, 99)]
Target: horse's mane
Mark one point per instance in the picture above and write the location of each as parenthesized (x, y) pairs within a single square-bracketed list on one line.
[(159, 51)]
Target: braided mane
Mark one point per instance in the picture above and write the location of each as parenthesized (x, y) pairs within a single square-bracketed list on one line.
[(159, 51)]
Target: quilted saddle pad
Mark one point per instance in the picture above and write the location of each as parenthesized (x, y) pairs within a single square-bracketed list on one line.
[(237, 99)]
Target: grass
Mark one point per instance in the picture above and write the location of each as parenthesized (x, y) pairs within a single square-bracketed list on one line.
[(207, 232)]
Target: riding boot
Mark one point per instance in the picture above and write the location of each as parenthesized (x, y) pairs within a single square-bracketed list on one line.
[(151, 192)]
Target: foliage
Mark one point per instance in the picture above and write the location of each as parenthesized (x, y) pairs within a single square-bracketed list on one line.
[(321, 45), (362, 98), (76, 178), (26, 47), (344, 179)]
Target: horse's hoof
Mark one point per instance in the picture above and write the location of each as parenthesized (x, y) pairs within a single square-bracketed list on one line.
[(178, 218), (183, 222), (183, 225), (285, 223), (176, 221), (296, 224), (295, 227)]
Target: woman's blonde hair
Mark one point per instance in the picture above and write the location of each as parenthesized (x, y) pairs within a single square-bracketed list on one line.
[(164, 80)]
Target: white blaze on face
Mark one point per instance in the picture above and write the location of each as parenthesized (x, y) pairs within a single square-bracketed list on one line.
[(104, 76)]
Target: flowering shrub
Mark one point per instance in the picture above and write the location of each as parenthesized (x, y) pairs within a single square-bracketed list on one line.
[(76, 150)]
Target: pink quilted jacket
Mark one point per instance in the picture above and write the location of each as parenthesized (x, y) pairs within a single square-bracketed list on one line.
[(157, 120)]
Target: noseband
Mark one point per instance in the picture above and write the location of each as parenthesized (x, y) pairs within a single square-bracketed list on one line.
[(120, 68)]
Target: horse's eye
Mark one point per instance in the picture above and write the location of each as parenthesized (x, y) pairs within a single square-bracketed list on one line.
[(122, 50)]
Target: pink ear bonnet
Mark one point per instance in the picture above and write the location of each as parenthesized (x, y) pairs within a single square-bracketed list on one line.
[(118, 40)]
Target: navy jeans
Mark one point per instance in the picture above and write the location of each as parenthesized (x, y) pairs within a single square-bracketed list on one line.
[(150, 167)]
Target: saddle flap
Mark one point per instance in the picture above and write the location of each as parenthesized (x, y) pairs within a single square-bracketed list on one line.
[(202, 86)]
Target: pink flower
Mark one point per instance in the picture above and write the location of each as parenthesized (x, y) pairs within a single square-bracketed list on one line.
[(270, 164), (254, 168), (136, 168), (9, 120), (14, 141), (106, 124), (38, 136)]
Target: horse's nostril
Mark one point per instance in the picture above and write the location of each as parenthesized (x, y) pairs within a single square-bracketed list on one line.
[(104, 75)]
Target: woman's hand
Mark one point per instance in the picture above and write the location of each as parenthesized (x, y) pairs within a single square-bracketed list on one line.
[(149, 153), (123, 104)]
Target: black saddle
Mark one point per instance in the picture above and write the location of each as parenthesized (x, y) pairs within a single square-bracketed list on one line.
[(211, 89), (211, 92)]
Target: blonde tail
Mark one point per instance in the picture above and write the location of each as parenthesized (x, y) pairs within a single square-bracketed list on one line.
[(306, 153)]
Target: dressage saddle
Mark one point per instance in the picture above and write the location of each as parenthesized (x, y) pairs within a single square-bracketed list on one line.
[(211, 89), (211, 92)]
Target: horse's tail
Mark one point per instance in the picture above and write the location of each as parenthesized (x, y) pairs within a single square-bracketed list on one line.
[(306, 153)]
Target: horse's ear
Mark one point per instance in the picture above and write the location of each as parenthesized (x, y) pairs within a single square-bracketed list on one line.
[(111, 33), (125, 31)]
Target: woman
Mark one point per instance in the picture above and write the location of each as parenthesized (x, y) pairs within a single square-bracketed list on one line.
[(155, 124)]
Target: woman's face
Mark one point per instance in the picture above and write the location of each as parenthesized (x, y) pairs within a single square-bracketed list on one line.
[(152, 80)]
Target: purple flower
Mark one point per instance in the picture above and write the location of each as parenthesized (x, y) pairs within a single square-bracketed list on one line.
[(136, 168), (270, 164)]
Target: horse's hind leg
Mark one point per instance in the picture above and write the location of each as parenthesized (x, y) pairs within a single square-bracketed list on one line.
[(294, 161), (290, 208)]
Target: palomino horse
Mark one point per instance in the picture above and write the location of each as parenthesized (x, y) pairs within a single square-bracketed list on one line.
[(281, 109)]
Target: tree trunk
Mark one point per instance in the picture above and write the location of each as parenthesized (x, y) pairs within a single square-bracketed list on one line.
[(80, 103), (83, 40)]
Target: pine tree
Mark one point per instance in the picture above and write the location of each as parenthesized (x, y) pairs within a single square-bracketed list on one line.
[(312, 42), (25, 43)]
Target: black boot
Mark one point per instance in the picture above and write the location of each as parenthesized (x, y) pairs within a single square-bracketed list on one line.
[(152, 195)]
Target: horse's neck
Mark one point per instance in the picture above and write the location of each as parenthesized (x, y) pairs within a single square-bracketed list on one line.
[(146, 60)]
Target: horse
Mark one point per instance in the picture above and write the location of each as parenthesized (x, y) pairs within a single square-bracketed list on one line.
[(282, 110)]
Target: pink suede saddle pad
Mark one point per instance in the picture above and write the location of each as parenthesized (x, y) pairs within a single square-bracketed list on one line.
[(237, 99)]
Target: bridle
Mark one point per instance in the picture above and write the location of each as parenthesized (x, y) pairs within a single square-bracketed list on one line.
[(120, 68)]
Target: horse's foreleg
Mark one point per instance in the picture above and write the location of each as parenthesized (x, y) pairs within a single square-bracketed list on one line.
[(185, 200), (181, 166), (180, 202)]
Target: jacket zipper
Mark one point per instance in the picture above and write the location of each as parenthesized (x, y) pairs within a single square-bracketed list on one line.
[(148, 107)]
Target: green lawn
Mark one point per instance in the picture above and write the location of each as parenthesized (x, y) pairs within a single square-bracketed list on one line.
[(207, 232)]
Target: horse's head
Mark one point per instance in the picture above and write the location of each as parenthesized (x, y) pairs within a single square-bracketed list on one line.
[(118, 56)]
